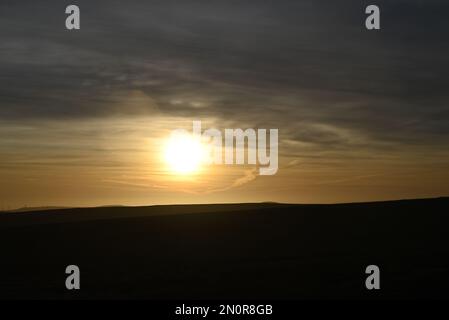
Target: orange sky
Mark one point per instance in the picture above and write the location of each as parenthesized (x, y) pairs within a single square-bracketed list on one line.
[(362, 114), (120, 161)]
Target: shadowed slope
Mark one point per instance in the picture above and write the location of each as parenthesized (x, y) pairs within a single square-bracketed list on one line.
[(229, 251)]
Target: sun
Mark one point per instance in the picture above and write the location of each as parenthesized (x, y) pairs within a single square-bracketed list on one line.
[(184, 153)]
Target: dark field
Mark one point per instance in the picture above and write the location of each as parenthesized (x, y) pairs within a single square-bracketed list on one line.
[(250, 251)]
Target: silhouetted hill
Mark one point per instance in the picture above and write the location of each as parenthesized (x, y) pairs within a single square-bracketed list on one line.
[(255, 251), (31, 209)]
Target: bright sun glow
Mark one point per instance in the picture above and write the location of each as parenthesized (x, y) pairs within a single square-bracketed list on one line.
[(184, 154)]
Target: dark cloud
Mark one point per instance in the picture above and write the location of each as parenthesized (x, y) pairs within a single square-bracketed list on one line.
[(305, 66)]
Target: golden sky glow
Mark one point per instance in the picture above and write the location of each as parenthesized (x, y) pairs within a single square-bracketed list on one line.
[(184, 154), (124, 161), (85, 114)]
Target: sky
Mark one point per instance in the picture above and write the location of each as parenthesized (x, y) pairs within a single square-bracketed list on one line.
[(362, 115)]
